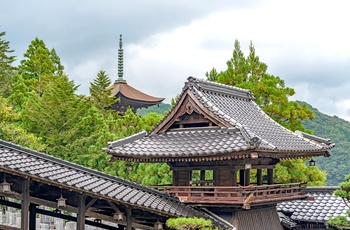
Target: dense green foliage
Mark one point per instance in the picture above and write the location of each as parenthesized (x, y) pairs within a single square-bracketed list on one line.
[(41, 110), (6, 68), (338, 131), (189, 223), (162, 108), (344, 193)]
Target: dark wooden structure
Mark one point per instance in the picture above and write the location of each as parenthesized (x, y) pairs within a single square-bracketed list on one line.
[(127, 95), (214, 138), (38, 179)]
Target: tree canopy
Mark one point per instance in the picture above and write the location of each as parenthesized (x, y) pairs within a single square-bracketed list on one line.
[(270, 91)]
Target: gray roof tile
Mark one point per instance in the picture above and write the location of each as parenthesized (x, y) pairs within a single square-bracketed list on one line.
[(82, 179), (324, 206)]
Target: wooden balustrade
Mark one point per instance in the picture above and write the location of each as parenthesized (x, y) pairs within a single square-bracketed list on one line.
[(236, 195)]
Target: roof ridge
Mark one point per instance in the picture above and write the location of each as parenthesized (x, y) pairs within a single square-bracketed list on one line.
[(127, 140), (220, 88)]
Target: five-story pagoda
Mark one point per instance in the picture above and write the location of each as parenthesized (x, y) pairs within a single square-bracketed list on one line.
[(213, 138)]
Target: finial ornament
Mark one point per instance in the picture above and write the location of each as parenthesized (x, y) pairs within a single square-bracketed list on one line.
[(120, 61)]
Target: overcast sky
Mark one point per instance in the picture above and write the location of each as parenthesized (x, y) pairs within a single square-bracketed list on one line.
[(306, 43)]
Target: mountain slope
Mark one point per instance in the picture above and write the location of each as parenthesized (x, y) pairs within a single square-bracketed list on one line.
[(338, 130)]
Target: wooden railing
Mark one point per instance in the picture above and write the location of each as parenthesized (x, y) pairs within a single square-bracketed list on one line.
[(240, 195)]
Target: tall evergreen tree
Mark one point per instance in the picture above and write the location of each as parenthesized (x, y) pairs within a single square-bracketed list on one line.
[(38, 61), (270, 91), (6, 68), (54, 112), (100, 92), (56, 61)]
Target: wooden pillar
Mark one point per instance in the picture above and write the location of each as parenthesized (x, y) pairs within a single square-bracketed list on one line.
[(241, 177), (202, 177), (32, 217), (247, 177), (259, 177), (234, 177), (175, 178), (270, 176), (128, 218), (81, 213), (25, 205)]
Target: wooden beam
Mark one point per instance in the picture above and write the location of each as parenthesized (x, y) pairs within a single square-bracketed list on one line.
[(89, 212), (32, 217), (81, 213), (25, 204), (128, 218)]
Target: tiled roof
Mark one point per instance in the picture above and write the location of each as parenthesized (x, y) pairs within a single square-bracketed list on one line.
[(41, 167), (239, 108), (324, 206), (184, 144), (253, 129), (132, 93)]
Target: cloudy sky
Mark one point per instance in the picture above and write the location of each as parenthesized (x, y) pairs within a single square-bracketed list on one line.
[(306, 43)]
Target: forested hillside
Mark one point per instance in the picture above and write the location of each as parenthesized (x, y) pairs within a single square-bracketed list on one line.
[(338, 130)]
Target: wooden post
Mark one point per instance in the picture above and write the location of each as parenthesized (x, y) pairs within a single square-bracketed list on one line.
[(81, 213), (128, 218), (270, 176), (32, 217), (202, 176), (247, 177), (259, 176), (25, 205), (234, 177), (241, 177)]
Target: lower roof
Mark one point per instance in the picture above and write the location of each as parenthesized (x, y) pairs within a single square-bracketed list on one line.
[(47, 169)]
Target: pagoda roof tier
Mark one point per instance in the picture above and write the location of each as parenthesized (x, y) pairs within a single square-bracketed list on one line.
[(131, 93), (213, 121)]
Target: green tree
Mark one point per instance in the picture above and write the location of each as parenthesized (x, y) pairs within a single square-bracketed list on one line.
[(344, 193), (270, 91), (38, 61), (11, 131), (194, 223), (54, 112), (6, 68), (290, 171), (100, 92), (56, 61)]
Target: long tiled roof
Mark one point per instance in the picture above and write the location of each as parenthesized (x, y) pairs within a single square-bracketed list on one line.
[(253, 129), (41, 167), (324, 206), (185, 144)]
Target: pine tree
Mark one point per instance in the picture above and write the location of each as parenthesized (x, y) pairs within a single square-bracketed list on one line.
[(38, 61), (270, 91), (100, 92), (6, 68), (56, 61)]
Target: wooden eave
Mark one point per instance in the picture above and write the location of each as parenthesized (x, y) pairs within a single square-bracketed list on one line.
[(132, 93)]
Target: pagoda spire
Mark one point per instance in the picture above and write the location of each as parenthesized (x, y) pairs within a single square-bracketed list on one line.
[(120, 62)]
